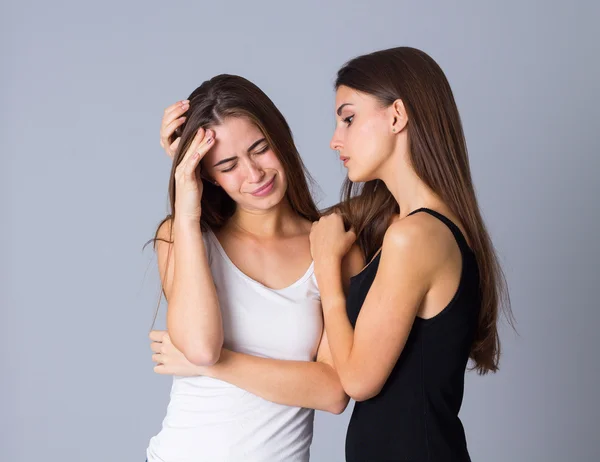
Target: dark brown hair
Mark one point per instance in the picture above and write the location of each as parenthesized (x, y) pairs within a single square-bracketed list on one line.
[(438, 154)]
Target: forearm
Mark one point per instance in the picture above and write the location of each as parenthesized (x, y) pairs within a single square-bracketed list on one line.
[(305, 384), (339, 330), (193, 316)]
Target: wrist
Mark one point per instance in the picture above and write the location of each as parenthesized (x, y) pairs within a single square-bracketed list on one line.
[(332, 295), (328, 270), (186, 223)]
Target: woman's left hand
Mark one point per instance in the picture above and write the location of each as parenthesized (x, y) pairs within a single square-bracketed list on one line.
[(329, 241), (169, 360)]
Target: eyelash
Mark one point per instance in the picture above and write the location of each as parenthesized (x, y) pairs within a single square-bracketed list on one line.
[(347, 120), (262, 151)]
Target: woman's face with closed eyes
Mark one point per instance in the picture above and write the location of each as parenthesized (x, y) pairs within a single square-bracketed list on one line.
[(244, 165)]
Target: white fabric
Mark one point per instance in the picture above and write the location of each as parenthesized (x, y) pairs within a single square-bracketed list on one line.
[(212, 421)]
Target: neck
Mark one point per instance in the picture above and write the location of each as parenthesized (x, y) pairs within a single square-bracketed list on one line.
[(409, 191), (263, 223)]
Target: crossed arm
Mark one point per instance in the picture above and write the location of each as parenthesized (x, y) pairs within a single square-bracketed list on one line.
[(309, 384)]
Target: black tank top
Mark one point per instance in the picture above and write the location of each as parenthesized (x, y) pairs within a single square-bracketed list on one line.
[(415, 416)]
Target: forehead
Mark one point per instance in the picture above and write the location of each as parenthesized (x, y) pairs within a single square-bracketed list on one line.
[(344, 95), (233, 138), (236, 129)]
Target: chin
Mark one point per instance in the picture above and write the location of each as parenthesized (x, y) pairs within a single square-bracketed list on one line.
[(356, 177)]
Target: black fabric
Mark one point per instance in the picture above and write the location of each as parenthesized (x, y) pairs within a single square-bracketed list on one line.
[(415, 416)]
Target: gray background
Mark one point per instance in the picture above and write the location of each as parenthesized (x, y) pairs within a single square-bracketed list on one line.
[(84, 184)]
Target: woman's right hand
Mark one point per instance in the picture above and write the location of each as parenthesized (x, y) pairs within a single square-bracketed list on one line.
[(172, 119), (169, 360), (189, 186)]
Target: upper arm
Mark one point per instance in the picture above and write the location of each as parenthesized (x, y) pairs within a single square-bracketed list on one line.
[(352, 263), (392, 303), (165, 256)]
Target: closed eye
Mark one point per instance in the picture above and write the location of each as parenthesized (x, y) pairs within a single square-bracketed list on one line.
[(230, 168), (263, 150)]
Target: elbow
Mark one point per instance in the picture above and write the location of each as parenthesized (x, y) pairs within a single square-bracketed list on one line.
[(338, 404), (359, 396), (197, 349), (337, 399), (204, 358), (200, 354), (360, 390)]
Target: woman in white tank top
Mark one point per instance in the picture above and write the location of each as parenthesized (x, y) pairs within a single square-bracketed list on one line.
[(244, 315)]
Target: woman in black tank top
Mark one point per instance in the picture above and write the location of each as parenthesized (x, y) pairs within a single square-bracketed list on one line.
[(429, 297)]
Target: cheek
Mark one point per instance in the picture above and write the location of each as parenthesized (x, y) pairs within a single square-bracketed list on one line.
[(230, 181), (269, 160), (364, 141), (272, 162), (374, 138), (370, 145)]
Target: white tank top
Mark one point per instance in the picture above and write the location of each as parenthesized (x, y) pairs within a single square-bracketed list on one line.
[(209, 420)]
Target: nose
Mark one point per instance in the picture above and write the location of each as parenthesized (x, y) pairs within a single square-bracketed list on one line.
[(336, 142), (255, 171)]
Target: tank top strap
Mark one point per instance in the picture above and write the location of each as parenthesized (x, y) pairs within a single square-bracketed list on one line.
[(456, 231)]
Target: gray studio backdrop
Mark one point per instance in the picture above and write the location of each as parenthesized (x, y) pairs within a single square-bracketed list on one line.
[(84, 184)]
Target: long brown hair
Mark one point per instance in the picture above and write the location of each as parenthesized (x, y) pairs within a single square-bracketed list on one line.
[(438, 154), (227, 96), (211, 103)]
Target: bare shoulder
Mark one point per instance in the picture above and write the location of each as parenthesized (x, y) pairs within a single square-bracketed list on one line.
[(420, 240), (410, 233)]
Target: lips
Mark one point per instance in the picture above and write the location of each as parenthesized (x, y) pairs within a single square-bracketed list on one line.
[(263, 188), (344, 159)]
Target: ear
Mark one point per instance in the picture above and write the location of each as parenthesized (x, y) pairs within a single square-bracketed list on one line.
[(399, 116)]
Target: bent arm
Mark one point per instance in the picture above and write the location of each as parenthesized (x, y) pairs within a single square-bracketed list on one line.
[(314, 385), (193, 316), (307, 384)]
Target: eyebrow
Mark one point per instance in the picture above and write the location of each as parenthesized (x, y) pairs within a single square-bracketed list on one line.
[(224, 161), (339, 110), (256, 143), (229, 159)]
